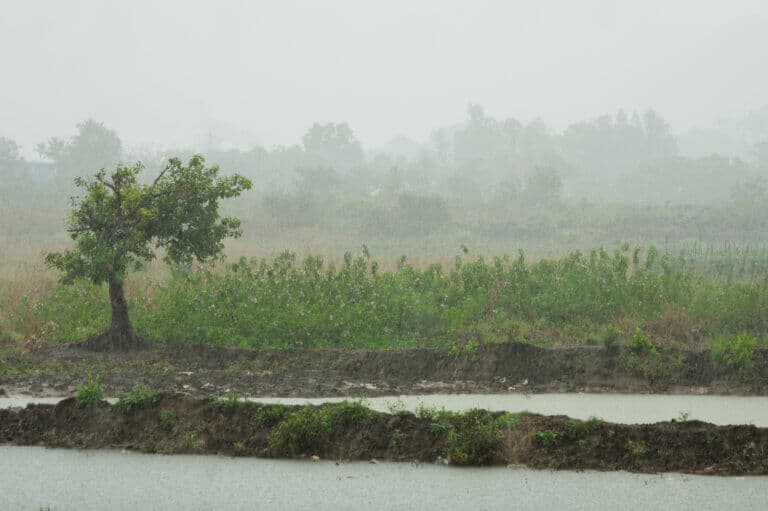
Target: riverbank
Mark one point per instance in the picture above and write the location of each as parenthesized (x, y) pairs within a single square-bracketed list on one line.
[(176, 424), (200, 370)]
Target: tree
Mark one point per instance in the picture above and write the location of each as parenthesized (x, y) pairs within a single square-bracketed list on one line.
[(94, 147), (119, 221), (332, 145), (9, 154)]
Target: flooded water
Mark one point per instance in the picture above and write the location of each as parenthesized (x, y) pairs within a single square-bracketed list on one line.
[(34, 477), (624, 408)]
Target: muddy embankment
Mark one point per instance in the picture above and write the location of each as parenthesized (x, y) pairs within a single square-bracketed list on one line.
[(514, 367), (174, 423)]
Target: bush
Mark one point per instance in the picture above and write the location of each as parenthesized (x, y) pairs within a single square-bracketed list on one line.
[(476, 436), (736, 352), (546, 438), (309, 428), (140, 395), (90, 394)]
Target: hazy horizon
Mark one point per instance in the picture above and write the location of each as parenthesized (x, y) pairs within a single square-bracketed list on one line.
[(177, 73)]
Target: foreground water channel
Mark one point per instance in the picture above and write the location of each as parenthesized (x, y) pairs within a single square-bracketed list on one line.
[(622, 408), (35, 477)]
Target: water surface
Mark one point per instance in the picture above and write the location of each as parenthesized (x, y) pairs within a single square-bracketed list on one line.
[(34, 477)]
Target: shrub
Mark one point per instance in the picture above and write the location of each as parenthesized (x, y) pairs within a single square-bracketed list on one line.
[(475, 437), (268, 415), (636, 449), (140, 395), (546, 438), (90, 394), (736, 352), (309, 428), (639, 343)]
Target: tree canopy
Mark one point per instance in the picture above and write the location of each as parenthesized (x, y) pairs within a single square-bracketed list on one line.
[(119, 223)]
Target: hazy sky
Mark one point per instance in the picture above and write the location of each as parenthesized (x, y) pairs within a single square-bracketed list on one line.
[(170, 72)]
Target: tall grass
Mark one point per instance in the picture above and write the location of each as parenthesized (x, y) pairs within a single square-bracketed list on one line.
[(286, 302)]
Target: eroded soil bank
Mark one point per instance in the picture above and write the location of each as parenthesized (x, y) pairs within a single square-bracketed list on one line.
[(174, 423), (201, 370)]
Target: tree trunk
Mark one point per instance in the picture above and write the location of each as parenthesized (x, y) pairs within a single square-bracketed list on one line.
[(120, 335)]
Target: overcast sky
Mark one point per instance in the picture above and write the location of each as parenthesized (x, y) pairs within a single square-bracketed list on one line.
[(170, 72)]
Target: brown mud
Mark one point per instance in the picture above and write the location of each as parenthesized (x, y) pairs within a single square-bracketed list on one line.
[(176, 423), (495, 368)]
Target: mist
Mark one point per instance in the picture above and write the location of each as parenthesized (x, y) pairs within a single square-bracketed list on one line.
[(183, 74)]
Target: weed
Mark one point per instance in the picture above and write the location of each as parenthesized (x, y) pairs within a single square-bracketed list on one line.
[(736, 352), (439, 428), (90, 394), (682, 416), (268, 415), (546, 438), (308, 428), (636, 449), (166, 416), (395, 407), (140, 395), (474, 438), (238, 448), (232, 402), (192, 441), (640, 344)]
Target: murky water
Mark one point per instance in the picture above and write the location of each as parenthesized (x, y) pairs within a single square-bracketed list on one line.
[(34, 477), (624, 408)]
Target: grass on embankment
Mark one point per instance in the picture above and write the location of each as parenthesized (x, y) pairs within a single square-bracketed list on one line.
[(594, 298), (162, 423)]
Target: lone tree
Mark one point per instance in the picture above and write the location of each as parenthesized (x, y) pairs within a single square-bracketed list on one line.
[(119, 222)]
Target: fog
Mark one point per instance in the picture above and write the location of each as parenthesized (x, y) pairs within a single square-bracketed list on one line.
[(238, 73), (409, 126)]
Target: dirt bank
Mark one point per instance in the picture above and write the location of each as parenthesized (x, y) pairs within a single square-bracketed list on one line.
[(202, 370), (348, 431)]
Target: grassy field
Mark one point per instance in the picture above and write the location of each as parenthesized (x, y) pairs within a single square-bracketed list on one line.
[(699, 297)]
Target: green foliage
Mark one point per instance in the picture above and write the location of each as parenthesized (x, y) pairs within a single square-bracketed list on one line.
[(309, 428), (90, 394), (286, 303), (232, 402), (640, 343), (140, 395), (192, 441), (238, 447), (475, 436), (636, 449), (546, 438), (737, 352), (268, 415), (166, 416), (118, 220)]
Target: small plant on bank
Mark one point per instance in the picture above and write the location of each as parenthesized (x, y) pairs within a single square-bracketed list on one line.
[(238, 448), (546, 438), (736, 352), (396, 407), (268, 415), (140, 395), (192, 441), (439, 428), (232, 401), (475, 437), (166, 416), (640, 344), (636, 449), (90, 394), (309, 428)]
